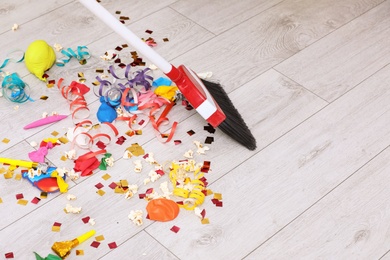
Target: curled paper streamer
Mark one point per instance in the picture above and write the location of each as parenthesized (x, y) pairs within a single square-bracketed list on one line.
[(80, 55), (14, 89)]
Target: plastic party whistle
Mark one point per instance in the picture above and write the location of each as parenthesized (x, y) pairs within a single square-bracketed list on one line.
[(19, 163), (62, 249), (45, 121)]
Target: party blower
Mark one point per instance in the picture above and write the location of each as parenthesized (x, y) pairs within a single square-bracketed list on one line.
[(208, 98)]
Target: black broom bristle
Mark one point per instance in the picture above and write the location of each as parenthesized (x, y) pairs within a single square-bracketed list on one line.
[(234, 125)]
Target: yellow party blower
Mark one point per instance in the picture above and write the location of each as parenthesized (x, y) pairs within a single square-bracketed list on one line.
[(62, 249), (19, 163)]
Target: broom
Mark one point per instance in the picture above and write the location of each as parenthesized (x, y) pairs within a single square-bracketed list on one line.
[(208, 98)]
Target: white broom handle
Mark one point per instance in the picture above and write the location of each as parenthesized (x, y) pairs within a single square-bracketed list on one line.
[(128, 35)]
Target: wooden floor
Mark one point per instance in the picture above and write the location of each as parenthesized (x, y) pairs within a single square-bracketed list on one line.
[(310, 77)]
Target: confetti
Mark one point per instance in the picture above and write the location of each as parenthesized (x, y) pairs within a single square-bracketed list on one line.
[(54, 133), (121, 140), (106, 176), (165, 39), (175, 229), (99, 185), (99, 238), (100, 145), (86, 219), (56, 227), (6, 140), (177, 142), (205, 221), (35, 200), (43, 195), (19, 196), (190, 133), (101, 192), (209, 140), (218, 196), (79, 252), (209, 128), (124, 18), (18, 177), (95, 244), (1, 201), (112, 245), (149, 31), (22, 202), (9, 255), (9, 175), (44, 97), (113, 185)]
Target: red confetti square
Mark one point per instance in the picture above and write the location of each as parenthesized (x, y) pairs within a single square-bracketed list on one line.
[(160, 172), (149, 31), (86, 219), (113, 185), (95, 244), (141, 195), (191, 132), (177, 142), (203, 213), (149, 191), (118, 48), (141, 122), (100, 145), (175, 229), (9, 255), (35, 200), (121, 140), (57, 224), (112, 245), (19, 196), (219, 204), (99, 185), (122, 65)]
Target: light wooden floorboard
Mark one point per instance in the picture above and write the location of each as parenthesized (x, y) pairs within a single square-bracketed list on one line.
[(317, 177), (350, 222), (345, 57)]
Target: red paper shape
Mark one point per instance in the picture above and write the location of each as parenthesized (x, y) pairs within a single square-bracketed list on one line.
[(142, 195), (86, 219), (175, 229), (95, 244), (86, 164), (177, 142), (99, 185), (100, 145), (19, 196), (112, 245), (148, 191), (113, 185), (9, 255), (35, 200)]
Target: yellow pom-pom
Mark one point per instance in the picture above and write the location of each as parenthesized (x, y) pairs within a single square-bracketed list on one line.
[(39, 57)]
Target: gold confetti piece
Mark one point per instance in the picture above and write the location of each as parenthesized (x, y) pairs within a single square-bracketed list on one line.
[(56, 228), (99, 70), (2, 170), (79, 252), (106, 176), (63, 158), (101, 192), (9, 175), (119, 189), (99, 238), (63, 140), (218, 196), (6, 140), (23, 202), (209, 192), (43, 195), (80, 75), (1, 201), (44, 97), (205, 221), (96, 83), (54, 133), (83, 61), (124, 183), (165, 39), (18, 177)]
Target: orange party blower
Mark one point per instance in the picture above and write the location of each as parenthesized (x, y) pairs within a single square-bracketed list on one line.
[(62, 249)]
